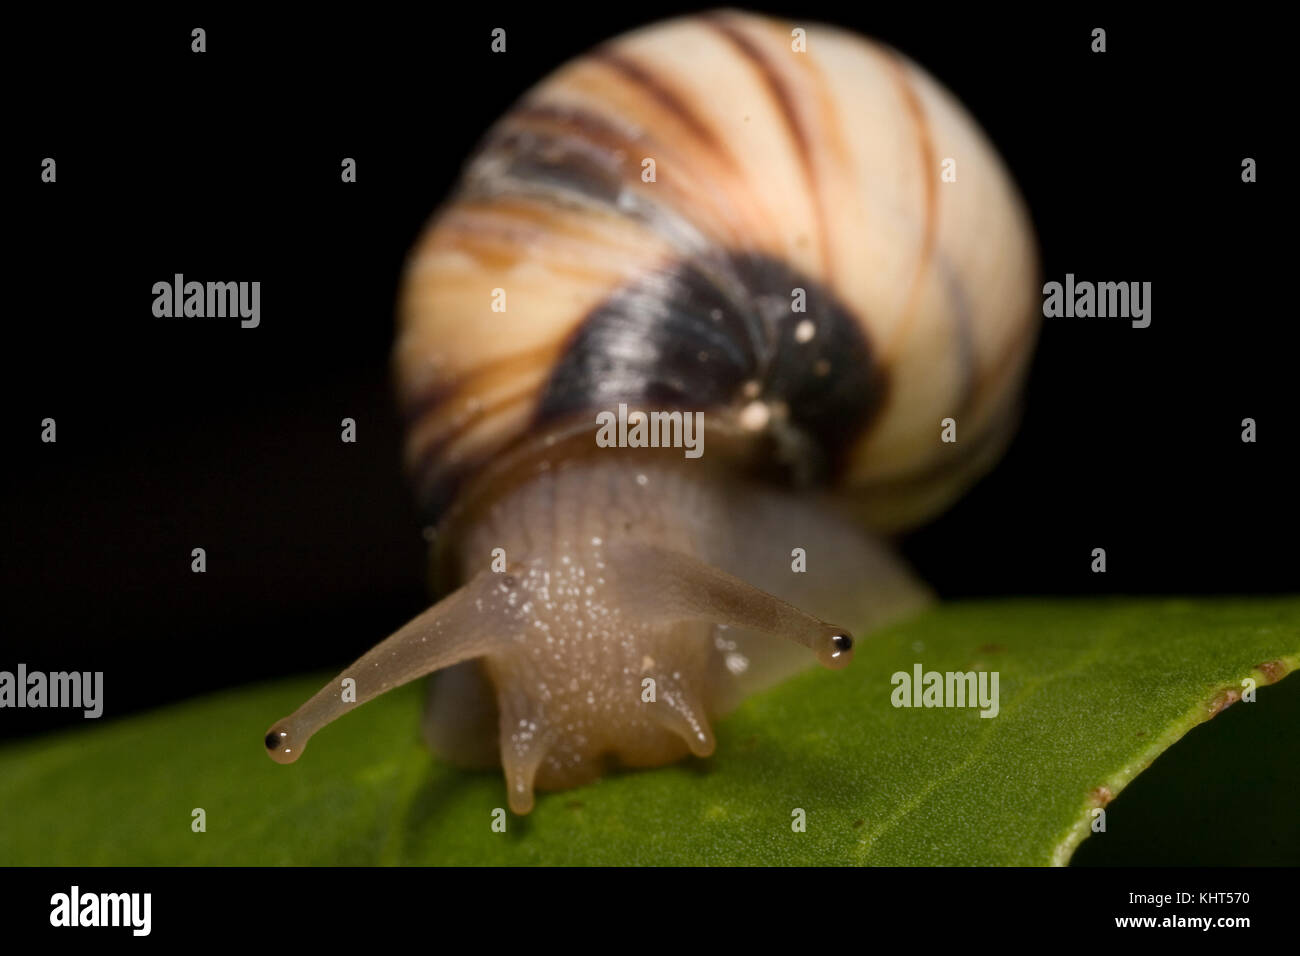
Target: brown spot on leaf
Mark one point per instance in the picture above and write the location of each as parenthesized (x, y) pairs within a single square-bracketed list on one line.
[(1273, 671), (1100, 796), (858, 823), (1225, 700), (990, 648), (574, 805)]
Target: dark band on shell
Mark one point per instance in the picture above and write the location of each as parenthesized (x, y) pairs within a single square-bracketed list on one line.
[(717, 336)]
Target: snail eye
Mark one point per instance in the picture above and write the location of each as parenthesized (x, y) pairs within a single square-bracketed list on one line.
[(278, 745), (835, 650)]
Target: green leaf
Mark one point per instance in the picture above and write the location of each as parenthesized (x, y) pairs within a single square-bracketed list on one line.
[(1090, 693)]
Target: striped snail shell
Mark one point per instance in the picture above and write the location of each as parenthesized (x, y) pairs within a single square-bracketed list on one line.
[(720, 214)]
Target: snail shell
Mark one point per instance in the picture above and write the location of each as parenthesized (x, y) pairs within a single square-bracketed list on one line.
[(696, 216)]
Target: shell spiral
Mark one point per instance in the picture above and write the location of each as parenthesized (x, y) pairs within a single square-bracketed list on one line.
[(699, 214)]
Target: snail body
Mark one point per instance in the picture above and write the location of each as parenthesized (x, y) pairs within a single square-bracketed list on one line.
[(697, 217)]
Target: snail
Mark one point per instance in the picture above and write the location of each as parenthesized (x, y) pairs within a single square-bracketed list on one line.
[(718, 215)]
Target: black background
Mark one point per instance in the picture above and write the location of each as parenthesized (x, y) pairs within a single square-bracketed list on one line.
[(176, 434)]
